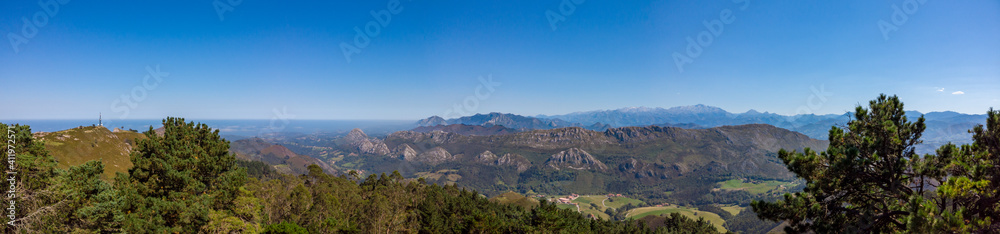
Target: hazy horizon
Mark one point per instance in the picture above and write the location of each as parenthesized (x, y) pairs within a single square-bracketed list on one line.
[(469, 114)]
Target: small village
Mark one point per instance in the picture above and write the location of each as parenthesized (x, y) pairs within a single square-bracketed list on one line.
[(568, 200)]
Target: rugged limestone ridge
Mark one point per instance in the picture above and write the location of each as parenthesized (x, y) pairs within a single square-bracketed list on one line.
[(760, 136), (436, 137), (766, 136), (574, 158), (640, 134), (640, 169), (522, 164), (558, 138), (434, 156), (486, 157), (660, 152), (363, 144), (404, 151)]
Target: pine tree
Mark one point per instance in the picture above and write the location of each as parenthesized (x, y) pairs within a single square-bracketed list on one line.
[(970, 197), (36, 199), (177, 178), (862, 183), (89, 203)]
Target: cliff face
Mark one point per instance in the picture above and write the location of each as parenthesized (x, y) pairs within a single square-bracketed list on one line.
[(576, 159), (434, 156), (360, 141), (405, 152), (509, 160)]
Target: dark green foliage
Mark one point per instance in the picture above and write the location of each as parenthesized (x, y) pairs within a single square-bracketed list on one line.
[(35, 182), (177, 179), (89, 202), (861, 181), (321, 203), (969, 198), (737, 197), (257, 169), (870, 179), (747, 222), (678, 223)]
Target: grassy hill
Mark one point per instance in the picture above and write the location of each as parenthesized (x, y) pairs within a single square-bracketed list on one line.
[(76, 146), (692, 213), (597, 204), (757, 187), (516, 199)]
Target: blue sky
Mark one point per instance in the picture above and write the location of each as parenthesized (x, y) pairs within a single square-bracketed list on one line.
[(260, 58)]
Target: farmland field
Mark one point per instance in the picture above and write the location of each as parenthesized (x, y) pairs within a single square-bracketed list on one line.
[(760, 187)]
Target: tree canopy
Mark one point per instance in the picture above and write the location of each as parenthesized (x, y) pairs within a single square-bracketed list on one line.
[(870, 179)]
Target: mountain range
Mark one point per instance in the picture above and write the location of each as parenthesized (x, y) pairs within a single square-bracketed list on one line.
[(649, 159), (942, 127)]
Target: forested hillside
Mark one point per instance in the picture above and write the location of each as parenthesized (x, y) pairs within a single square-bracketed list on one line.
[(187, 181)]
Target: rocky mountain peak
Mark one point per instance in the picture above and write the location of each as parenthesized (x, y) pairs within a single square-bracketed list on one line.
[(522, 164), (432, 121), (356, 135), (405, 152), (575, 158), (359, 140), (512, 160), (486, 156), (434, 156)]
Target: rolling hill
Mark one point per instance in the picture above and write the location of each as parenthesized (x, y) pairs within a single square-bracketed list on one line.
[(76, 146), (282, 159)]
